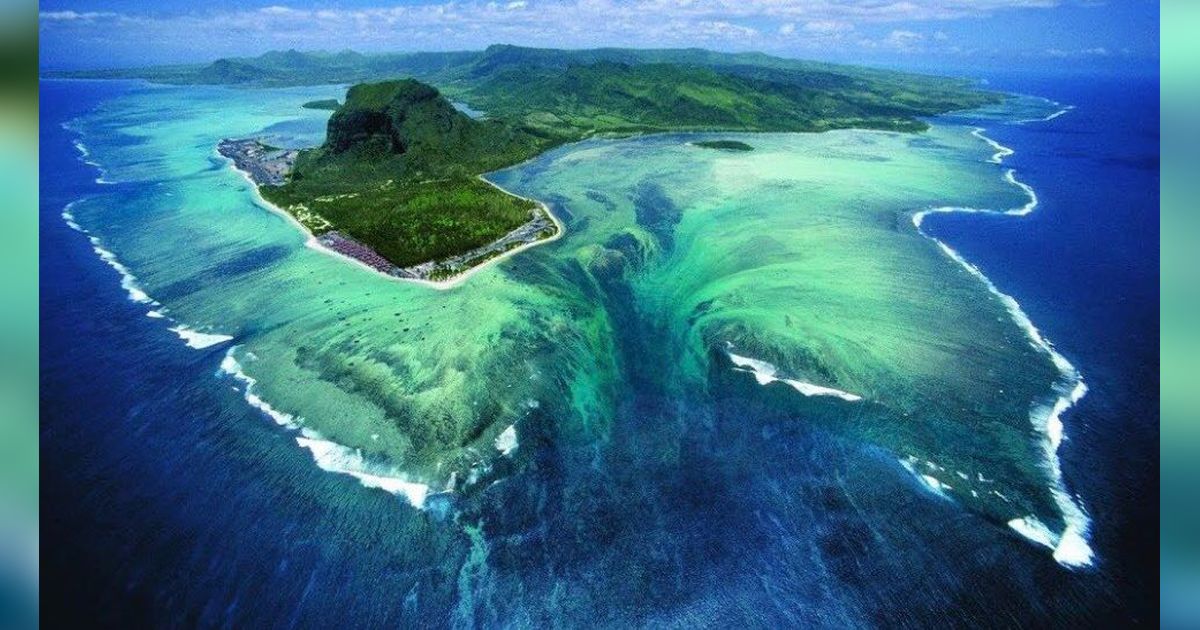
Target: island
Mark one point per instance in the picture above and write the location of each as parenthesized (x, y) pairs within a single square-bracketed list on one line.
[(398, 183), (324, 103), (723, 145)]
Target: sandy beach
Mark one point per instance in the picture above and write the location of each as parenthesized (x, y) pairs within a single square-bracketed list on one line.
[(313, 241)]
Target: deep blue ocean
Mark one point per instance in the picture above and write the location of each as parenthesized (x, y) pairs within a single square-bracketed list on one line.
[(1085, 267), (161, 501)]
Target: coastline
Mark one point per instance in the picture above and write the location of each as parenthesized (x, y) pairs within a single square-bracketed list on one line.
[(328, 455), (1070, 547), (191, 337), (1063, 109), (441, 285)]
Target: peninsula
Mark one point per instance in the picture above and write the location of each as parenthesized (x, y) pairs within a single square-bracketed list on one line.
[(396, 184)]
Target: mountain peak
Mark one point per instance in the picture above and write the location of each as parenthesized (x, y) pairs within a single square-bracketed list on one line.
[(395, 117)]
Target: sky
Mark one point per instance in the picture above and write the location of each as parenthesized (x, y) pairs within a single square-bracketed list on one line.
[(957, 34)]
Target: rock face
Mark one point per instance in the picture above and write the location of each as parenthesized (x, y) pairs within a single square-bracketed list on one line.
[(400, 117), (357, 127), (393, 117), (408, 126)]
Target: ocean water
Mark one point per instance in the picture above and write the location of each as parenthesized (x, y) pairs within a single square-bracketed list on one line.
[(700, 406)]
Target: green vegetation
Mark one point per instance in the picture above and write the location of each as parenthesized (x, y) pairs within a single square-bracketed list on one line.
[(398, 172), (618, 98), (617, 90), (398, 169), (726, 145), (287, 68), (325, 103)]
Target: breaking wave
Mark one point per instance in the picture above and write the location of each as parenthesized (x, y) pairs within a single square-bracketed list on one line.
[(329, 456), (195, 339), (766, 373), (1063, 109), (1070, 547)]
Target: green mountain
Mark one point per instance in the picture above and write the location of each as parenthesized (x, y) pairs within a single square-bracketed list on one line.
[(618, 90), (407, 128), (626, 90), (227, 71), (398, 172), (613, 97)]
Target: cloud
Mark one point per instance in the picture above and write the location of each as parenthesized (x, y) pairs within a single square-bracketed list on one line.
[(471, 24), (72, 16), (1059, 53), (724, 30), (903, 41), (855, 10), (835, 14), (827, 26)]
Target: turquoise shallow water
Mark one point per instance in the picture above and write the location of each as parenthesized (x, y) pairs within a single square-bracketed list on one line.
[(582, 385), (797, 254)]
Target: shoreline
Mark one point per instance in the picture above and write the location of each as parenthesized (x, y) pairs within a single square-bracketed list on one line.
[(328, 455), (1070, 547), (1063, 109), (191, 337), (314, 243)]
